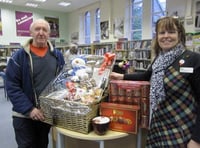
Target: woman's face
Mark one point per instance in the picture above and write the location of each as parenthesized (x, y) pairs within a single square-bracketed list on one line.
[(167, 39)]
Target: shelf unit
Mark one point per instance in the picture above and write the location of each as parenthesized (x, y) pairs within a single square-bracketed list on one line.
[(102, 48), (6, 52), (137, 52), (140, 54), (85, 49), (121, 51), (62, 48)]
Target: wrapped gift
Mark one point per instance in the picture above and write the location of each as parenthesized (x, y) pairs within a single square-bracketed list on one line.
[(132, 93), (123, 117)]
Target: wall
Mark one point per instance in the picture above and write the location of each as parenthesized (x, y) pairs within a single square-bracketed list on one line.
[(111, 9), (76, 21), (9, 27), (146, 27)]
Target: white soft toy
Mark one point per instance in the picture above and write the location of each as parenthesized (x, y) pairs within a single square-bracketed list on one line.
[(79, 69)]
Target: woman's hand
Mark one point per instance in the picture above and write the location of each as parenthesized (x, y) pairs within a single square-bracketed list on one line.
[(193, 144), (116, 76)]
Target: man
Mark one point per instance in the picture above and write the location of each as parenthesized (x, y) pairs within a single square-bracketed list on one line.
[(28, 72)]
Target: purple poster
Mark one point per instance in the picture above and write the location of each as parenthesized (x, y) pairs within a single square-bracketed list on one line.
[(0, 24), (23, 22)]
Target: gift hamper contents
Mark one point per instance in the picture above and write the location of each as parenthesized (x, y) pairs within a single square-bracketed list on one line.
[(132, 93), (72, 99), (123, 117), (100, 124)]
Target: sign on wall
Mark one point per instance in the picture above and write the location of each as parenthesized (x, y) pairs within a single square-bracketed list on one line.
[(74, 37), (0, 24), (23, 22), (118, 27), (104, 30), (54, 26)]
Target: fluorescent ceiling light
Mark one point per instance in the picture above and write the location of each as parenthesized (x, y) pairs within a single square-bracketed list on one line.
[(40, 1), (6, 1), (65, 4), (32, 5)]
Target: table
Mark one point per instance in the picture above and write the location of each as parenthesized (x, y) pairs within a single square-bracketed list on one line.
[(110, 135)]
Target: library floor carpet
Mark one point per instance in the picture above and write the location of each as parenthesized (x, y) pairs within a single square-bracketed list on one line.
[(7, 136)]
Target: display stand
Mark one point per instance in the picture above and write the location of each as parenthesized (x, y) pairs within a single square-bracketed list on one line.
[(110, 135), (139, 138)]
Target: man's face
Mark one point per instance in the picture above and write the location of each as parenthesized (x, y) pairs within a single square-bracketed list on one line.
[(40, 33)]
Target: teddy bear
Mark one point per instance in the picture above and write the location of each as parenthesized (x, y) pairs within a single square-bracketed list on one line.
[(79, 69)]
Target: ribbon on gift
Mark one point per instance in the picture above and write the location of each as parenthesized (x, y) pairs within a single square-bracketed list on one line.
[(108, 59)]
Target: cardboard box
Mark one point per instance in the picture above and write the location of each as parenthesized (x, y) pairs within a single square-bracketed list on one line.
[(123, 117), (132, 93), (140, 88)]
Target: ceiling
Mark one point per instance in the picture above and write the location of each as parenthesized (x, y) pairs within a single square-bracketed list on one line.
[(53, 4)]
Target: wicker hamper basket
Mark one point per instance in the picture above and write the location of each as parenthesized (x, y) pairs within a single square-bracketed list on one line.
[(79, 122), (71, 107)]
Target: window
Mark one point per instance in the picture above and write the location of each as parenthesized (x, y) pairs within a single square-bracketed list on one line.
[(158, 11), (136, 19), (87, 27), (97, 23)]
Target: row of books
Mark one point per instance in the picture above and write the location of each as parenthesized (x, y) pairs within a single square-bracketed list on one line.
[(85, 50), (102, 51), (144, 54), (140, 44), (140, 64)]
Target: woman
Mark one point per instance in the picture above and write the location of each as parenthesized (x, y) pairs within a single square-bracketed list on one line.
[(175, 89)]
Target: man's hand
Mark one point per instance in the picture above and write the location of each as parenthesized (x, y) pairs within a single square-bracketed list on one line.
[(37, 114)]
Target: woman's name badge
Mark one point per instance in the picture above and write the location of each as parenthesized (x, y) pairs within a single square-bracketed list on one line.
[(186, 69)]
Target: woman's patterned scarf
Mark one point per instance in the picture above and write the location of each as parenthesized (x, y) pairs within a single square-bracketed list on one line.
[(164, 59)]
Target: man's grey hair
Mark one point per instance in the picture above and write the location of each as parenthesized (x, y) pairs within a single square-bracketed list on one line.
[(38, 21)]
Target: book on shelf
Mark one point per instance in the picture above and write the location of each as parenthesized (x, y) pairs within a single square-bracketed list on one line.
[(137, 45), (145, 44), (140, 44), (121, 46), (102, 51)]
